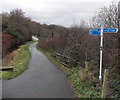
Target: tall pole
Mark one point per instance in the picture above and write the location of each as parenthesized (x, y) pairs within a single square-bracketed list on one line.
[(118, 33), (101, 52)]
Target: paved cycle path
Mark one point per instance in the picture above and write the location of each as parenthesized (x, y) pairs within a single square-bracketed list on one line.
[(41, 80)]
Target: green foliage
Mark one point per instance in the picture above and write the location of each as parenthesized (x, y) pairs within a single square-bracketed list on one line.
[(14, 33), (84, 89), (20, 63)]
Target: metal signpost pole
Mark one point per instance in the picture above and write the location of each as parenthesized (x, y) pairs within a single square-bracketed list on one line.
[(101, 52), (100, 32)]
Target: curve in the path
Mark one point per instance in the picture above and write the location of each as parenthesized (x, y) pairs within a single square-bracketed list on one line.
[(42, 80)]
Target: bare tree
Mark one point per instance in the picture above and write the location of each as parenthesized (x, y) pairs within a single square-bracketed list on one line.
[(108, 15)]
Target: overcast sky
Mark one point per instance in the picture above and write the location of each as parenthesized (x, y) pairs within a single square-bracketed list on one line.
[(60, 12)]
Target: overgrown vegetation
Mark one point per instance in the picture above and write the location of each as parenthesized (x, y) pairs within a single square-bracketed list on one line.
[(17, 29), (76, 43), (20, 63)]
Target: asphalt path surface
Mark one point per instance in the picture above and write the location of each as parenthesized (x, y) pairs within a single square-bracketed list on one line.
[(41, 80)]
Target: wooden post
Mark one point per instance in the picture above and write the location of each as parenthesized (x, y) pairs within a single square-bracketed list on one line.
[(105, 83), (85, 70), (86, 66)]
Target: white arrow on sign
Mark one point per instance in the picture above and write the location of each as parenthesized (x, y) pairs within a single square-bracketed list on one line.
[(110, 30)]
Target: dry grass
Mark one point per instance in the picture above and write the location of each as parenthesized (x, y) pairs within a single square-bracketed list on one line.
[(7, 60)]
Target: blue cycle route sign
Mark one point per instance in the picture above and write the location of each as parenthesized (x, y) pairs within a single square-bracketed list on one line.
[(99, 32), (105, 30)]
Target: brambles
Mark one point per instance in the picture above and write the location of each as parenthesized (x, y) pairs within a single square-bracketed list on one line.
[(76, 43)]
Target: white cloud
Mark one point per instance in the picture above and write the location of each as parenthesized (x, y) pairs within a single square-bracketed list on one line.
[(61, 12)]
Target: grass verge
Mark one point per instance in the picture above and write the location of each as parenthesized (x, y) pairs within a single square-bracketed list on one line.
[(83, 89), (20, 63)]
